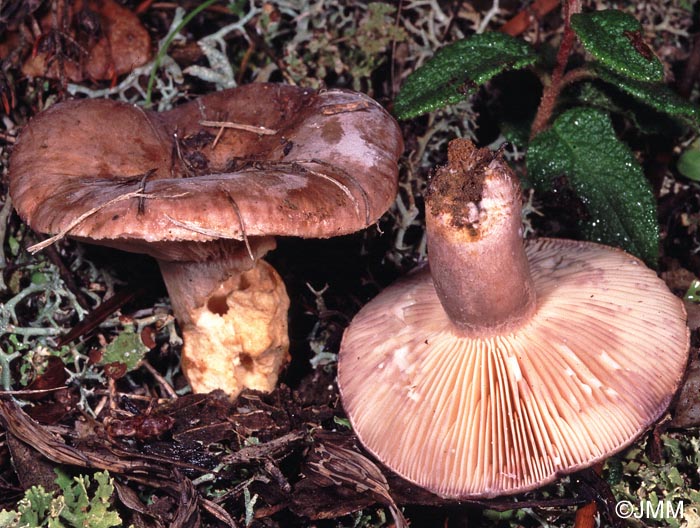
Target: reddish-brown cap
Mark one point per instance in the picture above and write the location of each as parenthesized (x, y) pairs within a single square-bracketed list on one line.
[(296, 162), (597, 363)]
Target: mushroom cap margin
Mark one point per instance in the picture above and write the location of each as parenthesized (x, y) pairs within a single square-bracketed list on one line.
[(330, 169)]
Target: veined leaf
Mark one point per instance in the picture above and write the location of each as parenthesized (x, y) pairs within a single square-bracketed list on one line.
[(612, 100), (615, 39), (657, 95), (603, 172), (457, 70)]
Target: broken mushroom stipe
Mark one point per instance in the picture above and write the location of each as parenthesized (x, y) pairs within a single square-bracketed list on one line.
[(204, 188), (502, 365), (476, 243)]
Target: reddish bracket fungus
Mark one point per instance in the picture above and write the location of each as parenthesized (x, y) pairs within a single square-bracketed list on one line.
[(506, 364), (203, 188)]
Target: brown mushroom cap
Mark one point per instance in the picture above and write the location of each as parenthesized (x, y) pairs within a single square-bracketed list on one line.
[(597, 364), (328, 169), (279, 160)]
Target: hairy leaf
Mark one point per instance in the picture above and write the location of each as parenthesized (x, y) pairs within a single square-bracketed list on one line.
[(615, 39), (612, 100), (459, 69), (657, 95), (582, 146)]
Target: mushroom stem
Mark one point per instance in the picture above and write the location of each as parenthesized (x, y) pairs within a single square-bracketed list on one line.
[(233, 314), (477, 256)]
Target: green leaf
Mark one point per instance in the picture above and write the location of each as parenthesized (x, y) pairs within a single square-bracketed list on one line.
[(615, 39), (689, 164), (656, 95), (39, 277), (14, 245), (344, 422), (127, 348), (606, 177), (693, 293), (604, 96), (458, 70)]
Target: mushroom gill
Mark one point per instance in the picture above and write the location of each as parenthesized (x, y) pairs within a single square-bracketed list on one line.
[(503, 364)]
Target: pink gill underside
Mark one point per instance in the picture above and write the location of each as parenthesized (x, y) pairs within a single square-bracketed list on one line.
[(483, 417)]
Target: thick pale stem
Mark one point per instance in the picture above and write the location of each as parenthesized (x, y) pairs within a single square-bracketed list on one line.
[(233, 315), (475, 246)]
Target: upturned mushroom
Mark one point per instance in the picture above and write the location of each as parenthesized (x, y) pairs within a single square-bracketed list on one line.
[(203, 188), (504, 365)]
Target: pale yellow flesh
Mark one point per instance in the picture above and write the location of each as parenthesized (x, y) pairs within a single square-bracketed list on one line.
[(238, 338)]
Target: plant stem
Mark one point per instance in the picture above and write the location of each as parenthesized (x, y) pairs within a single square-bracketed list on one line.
[(166, 44), (546, 108), (30, 331), (5, 373), (5, 212), (551, 92)]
